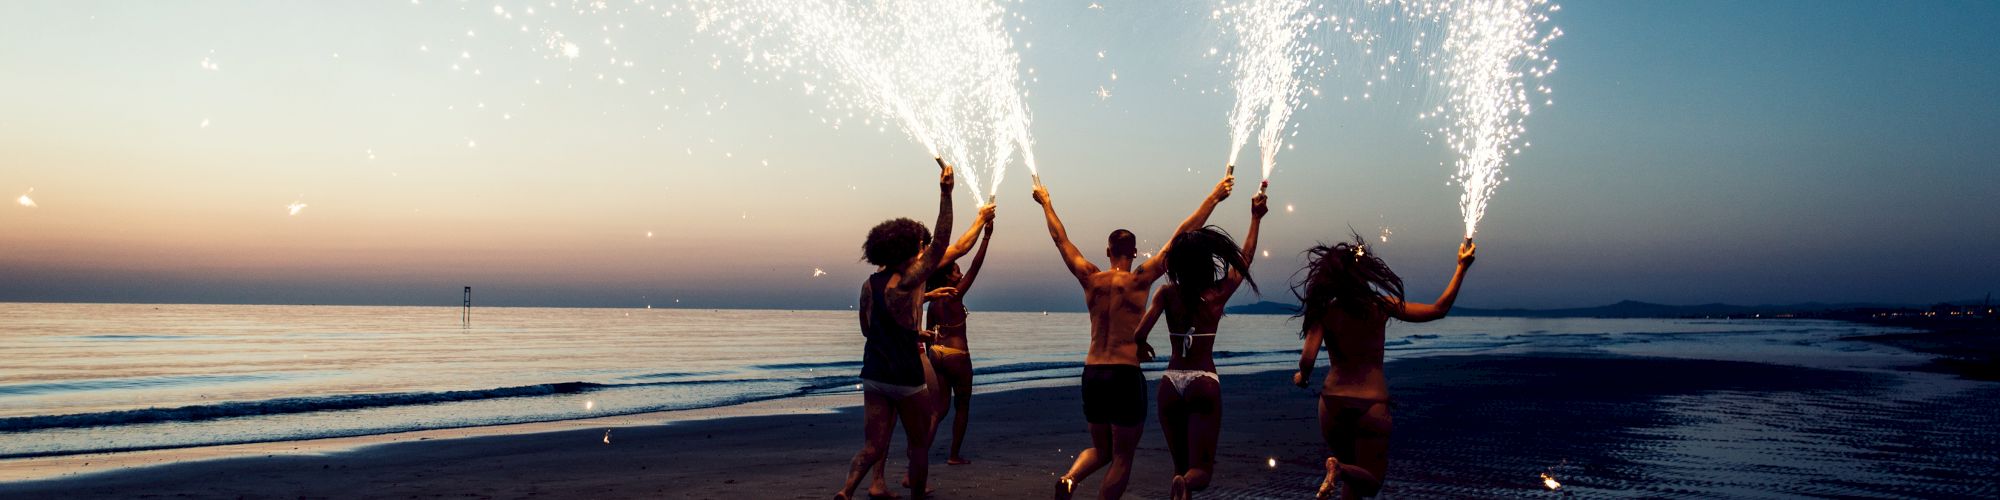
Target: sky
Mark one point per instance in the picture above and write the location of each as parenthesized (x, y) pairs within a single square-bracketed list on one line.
[(1695, 152)]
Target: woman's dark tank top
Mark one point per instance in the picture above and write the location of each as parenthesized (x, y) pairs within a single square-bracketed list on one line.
[(891, 355)]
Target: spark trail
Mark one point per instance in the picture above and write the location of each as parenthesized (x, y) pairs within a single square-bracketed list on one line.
[(1491, 52), (944, 70), (1271, 53)]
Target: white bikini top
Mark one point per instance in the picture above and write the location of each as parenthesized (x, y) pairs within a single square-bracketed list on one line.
[(1187, 339)]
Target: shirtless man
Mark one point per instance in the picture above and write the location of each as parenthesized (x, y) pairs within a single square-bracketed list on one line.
[(1114, 389)]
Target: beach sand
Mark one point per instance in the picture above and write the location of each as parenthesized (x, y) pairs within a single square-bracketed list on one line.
[(1475, 426)]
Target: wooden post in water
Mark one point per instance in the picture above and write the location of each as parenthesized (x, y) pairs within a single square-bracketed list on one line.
[(465, 314)]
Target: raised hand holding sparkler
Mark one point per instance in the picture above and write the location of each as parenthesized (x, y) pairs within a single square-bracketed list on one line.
[(945, 178)]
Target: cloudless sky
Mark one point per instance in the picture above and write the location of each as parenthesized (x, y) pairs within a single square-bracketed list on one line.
[(1697, 151)]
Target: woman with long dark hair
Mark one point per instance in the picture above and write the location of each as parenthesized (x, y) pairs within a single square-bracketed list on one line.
[(1347, 297), (1204, 268)]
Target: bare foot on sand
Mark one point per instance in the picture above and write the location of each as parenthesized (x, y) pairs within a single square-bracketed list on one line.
[(880, 491), (1332, 480), (1179, 490), (929, 488), (1064, 487), (956, 461)]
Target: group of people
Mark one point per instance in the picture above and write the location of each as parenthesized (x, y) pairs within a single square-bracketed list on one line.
[(919, 375)]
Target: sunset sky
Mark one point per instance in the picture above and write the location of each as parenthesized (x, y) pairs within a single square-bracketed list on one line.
[(1696, 151)]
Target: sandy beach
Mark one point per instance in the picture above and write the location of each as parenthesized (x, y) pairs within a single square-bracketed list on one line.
[(1466, 426)]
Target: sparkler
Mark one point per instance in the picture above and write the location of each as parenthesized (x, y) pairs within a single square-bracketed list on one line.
[(1491, 51), (1271, 52), (944, 71)]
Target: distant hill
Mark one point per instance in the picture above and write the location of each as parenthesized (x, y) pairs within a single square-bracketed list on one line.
[(1636, 309), (1265, 307), (1623, 309)]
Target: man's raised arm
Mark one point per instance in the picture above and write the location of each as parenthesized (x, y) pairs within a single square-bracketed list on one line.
[(1078, 265)]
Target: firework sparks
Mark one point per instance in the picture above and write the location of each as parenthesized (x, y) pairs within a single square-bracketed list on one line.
[(1550, 482), (817, 272), (25, 201), (295, 207), (1271, 52), (944, 71), (1491, 51)]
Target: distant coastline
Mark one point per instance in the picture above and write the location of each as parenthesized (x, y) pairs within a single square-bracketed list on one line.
[(1969, 310)]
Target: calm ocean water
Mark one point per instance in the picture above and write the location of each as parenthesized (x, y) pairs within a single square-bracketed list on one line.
[(102, 377)]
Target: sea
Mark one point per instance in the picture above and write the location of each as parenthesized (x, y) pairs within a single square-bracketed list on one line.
[(87, 378)]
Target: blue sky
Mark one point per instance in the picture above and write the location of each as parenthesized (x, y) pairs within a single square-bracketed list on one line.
[(1769, 152)]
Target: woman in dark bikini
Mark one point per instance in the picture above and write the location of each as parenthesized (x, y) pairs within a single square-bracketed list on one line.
[(1190, 393), (951, 355), (893, 371), (1348, 297)]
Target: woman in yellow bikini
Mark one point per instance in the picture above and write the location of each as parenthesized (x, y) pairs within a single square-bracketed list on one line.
[(950, 354)]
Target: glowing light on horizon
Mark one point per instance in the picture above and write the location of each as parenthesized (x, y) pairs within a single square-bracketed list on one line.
[(944, 71), (295, 207), (1271, 52)]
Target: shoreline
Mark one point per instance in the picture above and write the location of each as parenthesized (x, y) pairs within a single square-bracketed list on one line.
[(1602, 423)]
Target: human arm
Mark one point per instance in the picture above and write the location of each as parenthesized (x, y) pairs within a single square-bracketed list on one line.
[(940, 293), (1157, 266), (964, 243), (1416, 312), (1146, 352), (1078, 266), (940, 233), (1258, 207), (1308, 355), (978, 259)]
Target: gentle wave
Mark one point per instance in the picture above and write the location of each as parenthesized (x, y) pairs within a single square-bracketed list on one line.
[(280, 406), (129, 383)]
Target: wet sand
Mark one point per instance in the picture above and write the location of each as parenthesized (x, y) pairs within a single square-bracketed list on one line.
[(1479, 426)]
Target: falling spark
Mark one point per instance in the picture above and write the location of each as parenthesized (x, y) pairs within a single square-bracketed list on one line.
[(295, 207), (1550, 482), (817, 272), (1102, 93), (589, 404), (649, 234), (1386, 233), (1288, 208), (607, 436), (204, 123), (25, 201), (1271, 462)]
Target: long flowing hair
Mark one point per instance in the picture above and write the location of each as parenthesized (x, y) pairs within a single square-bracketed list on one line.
[(1199, 259), (1348, 276)]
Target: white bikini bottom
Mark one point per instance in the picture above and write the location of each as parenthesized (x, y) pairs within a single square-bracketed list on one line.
[(892, 391), (1180, 378)]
